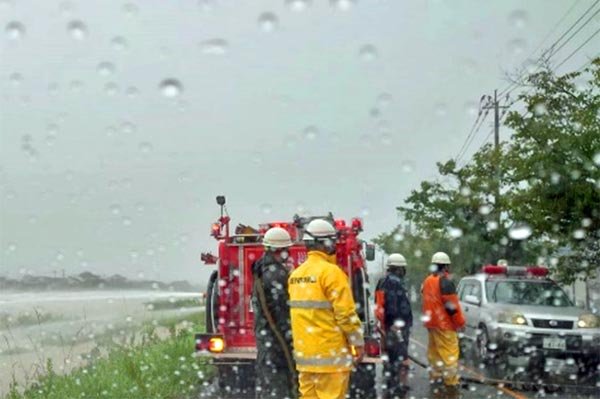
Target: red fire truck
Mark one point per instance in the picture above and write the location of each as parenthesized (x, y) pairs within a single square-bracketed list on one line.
[(229, 338)]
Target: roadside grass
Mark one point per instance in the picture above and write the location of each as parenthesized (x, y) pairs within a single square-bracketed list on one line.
[(151, 364)]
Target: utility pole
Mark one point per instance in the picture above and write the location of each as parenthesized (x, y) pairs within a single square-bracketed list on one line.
[(494, 103)]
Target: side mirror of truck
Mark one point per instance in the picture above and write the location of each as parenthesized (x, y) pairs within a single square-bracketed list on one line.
[(370, 252)]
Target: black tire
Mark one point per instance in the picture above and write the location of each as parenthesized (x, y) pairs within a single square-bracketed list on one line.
[(212, 303), (362, 382)]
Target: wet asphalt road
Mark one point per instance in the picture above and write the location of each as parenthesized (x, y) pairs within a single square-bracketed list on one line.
[(421, 389)]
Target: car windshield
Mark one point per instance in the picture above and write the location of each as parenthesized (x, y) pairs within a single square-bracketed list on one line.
[(536, 293)]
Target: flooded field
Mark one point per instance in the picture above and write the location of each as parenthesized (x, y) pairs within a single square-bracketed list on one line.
[(64, 329)]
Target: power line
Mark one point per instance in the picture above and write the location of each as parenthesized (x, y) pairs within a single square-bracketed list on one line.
[(470, 138), (508, 89), (572, 26), (576, 32), (479, 113), (579, 48)]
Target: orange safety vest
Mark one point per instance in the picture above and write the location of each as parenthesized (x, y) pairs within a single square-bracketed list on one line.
[(441, 308)]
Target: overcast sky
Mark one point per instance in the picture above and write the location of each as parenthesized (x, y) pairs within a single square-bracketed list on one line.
[(120, 122)]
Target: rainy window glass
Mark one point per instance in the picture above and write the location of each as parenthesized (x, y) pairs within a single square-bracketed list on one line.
[(210, 199)]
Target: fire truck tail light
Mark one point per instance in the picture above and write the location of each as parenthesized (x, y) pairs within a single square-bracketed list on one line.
[(216, 344), (210, 343)]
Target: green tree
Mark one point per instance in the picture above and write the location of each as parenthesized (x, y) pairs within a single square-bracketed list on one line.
[(545, 179), (554, 174)]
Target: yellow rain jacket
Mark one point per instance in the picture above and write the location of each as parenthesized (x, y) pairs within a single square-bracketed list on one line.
[(323, 315)]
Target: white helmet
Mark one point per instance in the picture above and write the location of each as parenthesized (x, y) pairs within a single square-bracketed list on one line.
[(502, 262), (396, 260), (319, 229), (440, 258), (277, 237)]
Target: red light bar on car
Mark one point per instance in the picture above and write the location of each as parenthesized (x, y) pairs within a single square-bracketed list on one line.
[(538, 271)]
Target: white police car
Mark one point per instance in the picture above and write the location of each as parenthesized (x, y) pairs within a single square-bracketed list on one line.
[(520, 317)]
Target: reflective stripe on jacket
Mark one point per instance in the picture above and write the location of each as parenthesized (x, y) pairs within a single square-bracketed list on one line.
[(323, 314), (440, 303)]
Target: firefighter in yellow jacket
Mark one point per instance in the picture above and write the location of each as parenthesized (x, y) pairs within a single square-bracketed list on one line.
[(326, 330)]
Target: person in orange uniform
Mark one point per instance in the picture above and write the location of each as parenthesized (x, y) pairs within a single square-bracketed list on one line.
[(327, 333), (443, 317)]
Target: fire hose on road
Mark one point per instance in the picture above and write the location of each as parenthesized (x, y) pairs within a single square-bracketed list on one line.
[(497, 383)]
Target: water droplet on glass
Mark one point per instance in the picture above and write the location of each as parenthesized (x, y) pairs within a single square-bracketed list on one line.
[(579, 234), (540, 109), (266, 208), (368, 53), (343, 5), (311, 133), (384, 100), (15, 79), (131, 10), (518, 19), (385, 139), (485, 209), (520, 232), (441, 110), (365, 211), (15, 30), (119, 43), (105, 68), (298, 5), (491, 226), (470, 108), (171, 87), (516, 47), (214, 46), (455, 232), (115, 209), (127, 127), (126, 221), (407, 166), (145, 147), (76, 86), (111, 88), (132, 92), (77, 30), (268, 22)]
